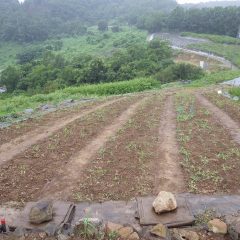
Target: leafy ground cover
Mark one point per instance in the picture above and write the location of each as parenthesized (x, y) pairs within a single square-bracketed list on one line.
[(209, 155), (235, 91), (15, 104)]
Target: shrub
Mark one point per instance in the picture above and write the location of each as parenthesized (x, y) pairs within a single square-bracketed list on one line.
[(180, 71)]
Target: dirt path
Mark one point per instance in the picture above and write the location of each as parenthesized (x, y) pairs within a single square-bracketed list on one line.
[(73, 170), (19, 144), (169, 174), (222, 118)]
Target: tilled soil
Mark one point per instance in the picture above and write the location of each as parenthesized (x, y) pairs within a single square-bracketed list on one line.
[(232, 108), (63, 185), (126, 166), (24, 177), (47, 120), (222, 117), (210, 156), (19, 144), (170, 177)]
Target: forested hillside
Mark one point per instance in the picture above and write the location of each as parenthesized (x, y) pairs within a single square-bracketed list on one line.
[(37, 20), (218, 20)]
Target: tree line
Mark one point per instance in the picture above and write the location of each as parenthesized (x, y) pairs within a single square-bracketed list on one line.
[(38, 20), (218, 20)]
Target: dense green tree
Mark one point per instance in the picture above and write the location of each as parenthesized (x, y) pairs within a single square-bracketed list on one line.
[(10, 78)]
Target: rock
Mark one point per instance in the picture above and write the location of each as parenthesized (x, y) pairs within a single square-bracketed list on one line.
[(113, 227), (217, 226), (236, 98), (133, 236), (165, 202), (42, 235), (41, 212), (63, 237), (125, 232), (19, 231), (234, 229), (184, 234), (29, 111), (45, 107), (51, 229), (69, 101), (137, 228), (160, 230)]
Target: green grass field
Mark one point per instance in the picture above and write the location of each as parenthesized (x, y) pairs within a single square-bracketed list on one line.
[(224, 46), (213, 38), (230, 52), (215, 78), (15, 104)]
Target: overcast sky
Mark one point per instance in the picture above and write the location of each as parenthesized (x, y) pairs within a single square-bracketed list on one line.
[(196, 1), (179, 1)]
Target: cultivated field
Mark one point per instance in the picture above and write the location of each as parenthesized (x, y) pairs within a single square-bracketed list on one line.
[(122, 147)]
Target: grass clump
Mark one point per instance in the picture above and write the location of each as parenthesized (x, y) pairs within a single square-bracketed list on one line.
[(215, 78), (235, 91), (14, 104)]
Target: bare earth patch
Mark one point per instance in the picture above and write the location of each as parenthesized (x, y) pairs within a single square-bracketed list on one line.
[(170, 176)]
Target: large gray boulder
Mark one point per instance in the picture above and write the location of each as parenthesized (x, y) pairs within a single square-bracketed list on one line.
[(41, 212)]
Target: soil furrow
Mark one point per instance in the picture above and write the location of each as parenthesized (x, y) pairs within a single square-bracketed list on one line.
[(125, 166), (170, 176), (62, 186), (210, 156), (45, 120), (19, 144), (222, 118), (24, 176), (232, 108)]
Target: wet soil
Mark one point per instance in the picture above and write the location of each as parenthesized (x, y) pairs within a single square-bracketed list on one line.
[(210, 156), (230, 107), (63, 185), (24, 176), (224, 119), (19, 144), (170, 177)]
